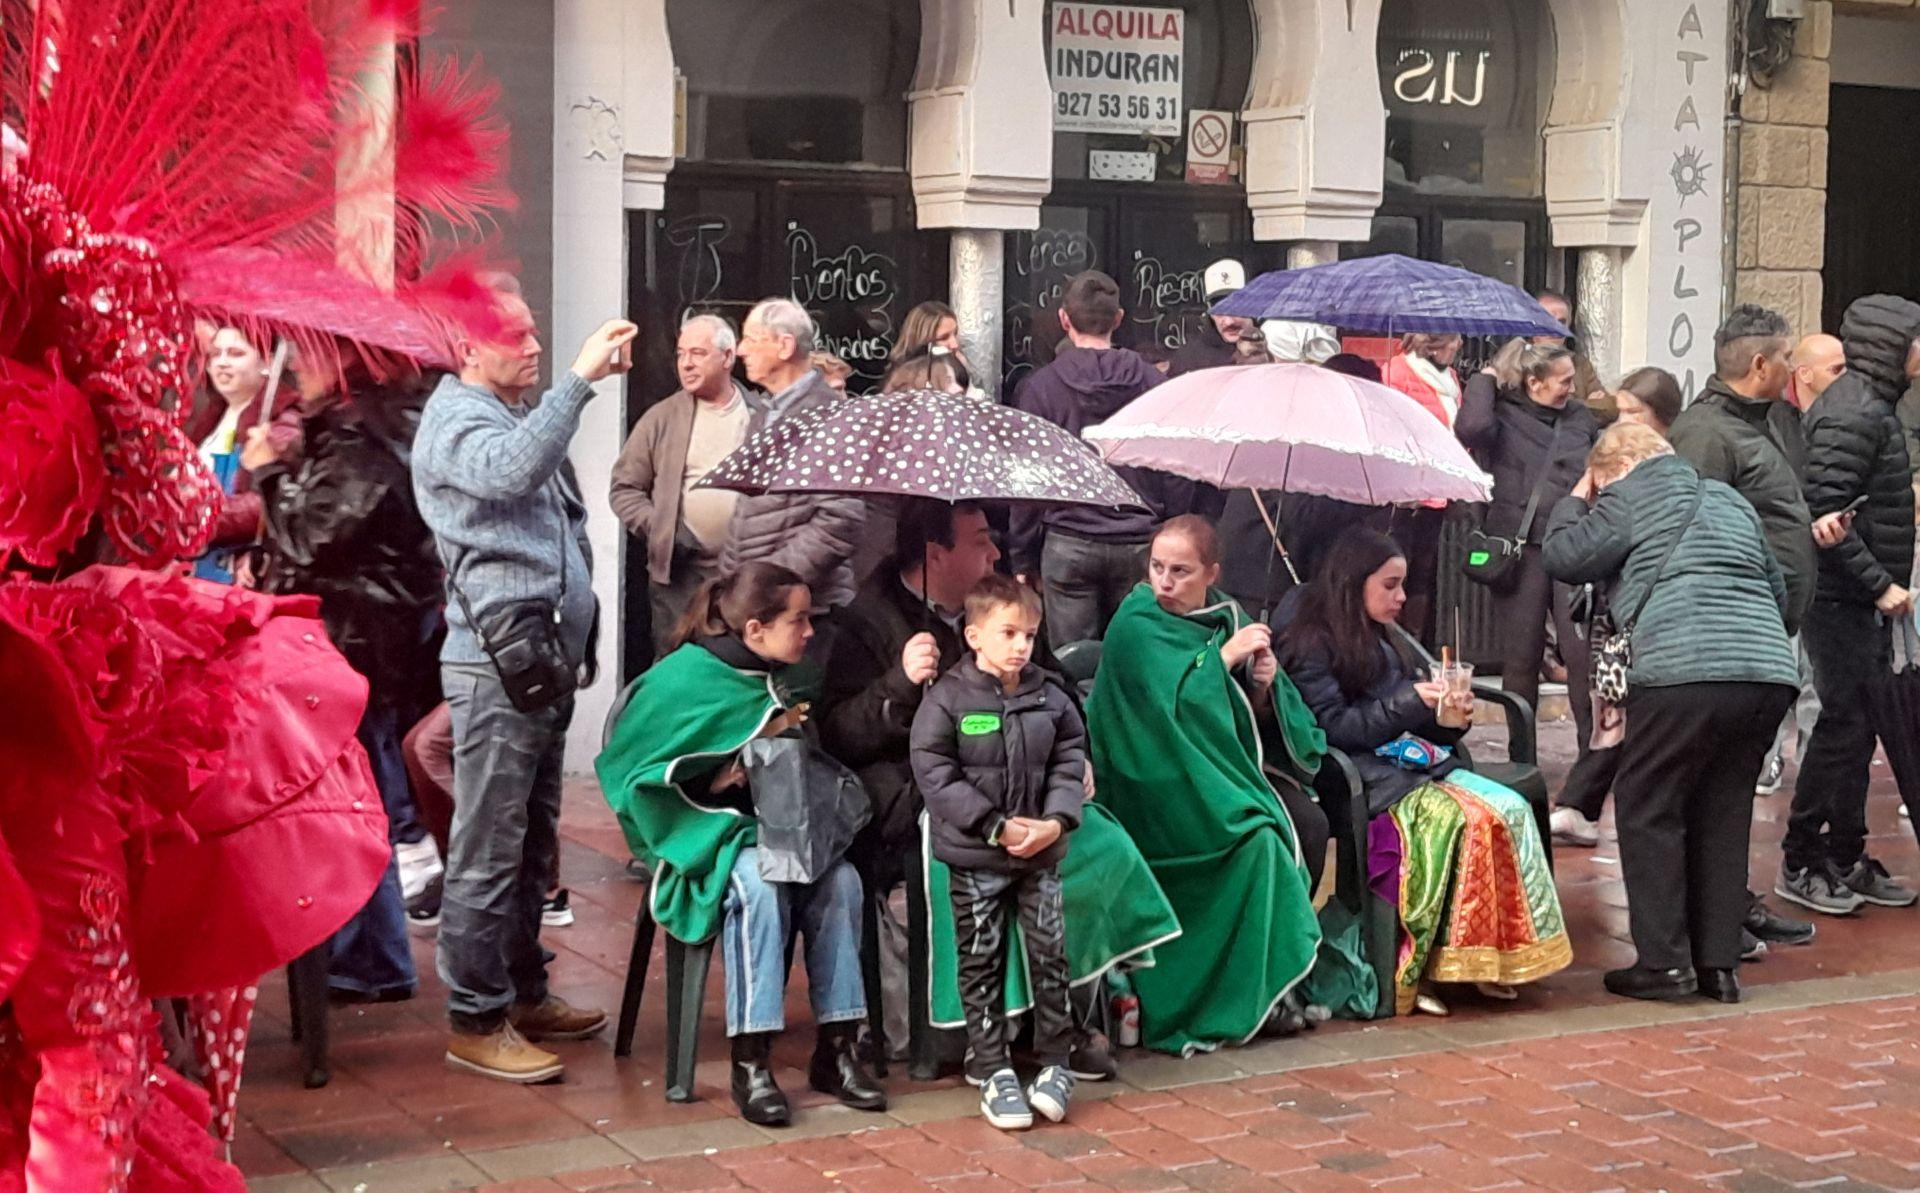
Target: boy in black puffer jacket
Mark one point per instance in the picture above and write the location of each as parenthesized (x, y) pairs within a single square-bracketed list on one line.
[(999, 754)]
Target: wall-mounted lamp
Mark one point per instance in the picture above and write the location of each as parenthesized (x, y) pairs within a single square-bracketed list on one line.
[(1767, 37)]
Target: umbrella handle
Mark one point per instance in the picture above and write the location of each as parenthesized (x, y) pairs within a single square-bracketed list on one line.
[(1273, 532)]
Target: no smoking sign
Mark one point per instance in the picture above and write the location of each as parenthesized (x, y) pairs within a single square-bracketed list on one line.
[(1209, 145)]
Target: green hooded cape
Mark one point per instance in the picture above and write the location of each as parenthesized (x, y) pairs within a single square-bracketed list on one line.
[(1115, 916), (689, 715), (1178, 755)]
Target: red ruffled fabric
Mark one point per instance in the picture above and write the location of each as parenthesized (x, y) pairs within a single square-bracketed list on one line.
[(187, 808), (52, 477)]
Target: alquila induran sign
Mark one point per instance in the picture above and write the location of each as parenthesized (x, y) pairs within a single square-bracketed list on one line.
[(1117, 68)]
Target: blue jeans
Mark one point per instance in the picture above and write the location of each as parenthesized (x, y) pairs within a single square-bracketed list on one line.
[(380, 732), (753, 944), (503, 849), (371, 954)]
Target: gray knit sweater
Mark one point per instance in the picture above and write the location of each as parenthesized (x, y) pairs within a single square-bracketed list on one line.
[(492, 484)]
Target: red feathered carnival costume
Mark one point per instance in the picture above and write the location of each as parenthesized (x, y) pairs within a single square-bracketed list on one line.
[(183, 804)]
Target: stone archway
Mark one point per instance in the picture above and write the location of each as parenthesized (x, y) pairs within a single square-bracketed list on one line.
[(1635, 170), (1315, 126), (1592, 196)]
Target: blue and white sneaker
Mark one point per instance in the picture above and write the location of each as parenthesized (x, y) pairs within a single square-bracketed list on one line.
[(1003, 1105), (1051, 1091)]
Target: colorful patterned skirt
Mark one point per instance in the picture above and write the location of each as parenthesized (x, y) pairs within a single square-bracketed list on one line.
[(1477, 901)]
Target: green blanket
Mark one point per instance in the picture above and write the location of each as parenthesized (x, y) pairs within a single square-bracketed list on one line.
[(688, 716), (1178, 753), (1115, 915)]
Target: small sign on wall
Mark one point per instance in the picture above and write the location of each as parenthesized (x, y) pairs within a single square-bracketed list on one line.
[(1120, 165), (1209, 145)]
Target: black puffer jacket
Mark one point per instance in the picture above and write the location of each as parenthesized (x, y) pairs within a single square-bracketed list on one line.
[(870, 704), (1855, 447), (341, 524), (1759, 448), (982, 755), (1359, 723), (1511, 436)]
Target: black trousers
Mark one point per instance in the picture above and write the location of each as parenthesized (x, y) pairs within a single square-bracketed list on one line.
[(983, 901), (1310, 825), (1683, 803), (1083, 582), (1523, 614), (1850, 647)]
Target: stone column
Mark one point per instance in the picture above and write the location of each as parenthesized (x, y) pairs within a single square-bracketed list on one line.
[(1304, 253), (612, 147), (1597, 321), (983, 72), (976, 287), (1315, 129), (364, 217)]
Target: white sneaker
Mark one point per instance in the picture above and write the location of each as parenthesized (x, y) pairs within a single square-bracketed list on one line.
[(419, 865), (1569, 827)]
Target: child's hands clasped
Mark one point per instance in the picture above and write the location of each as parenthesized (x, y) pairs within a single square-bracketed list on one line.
[(1024, 838)]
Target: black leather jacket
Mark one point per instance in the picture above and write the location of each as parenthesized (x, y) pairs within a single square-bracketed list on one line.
[(341, 524)]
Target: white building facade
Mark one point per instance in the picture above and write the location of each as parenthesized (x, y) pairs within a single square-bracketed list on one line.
[(864, 155)]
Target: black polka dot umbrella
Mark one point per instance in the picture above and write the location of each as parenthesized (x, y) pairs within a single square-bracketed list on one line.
[(923, 443)]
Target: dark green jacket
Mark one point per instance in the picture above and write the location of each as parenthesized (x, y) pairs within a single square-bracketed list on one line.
[(1716, 612), (1757, 446)]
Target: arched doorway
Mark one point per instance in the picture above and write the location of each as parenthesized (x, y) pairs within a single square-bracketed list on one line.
[(791, 179), (1156, 233), (1467, 85)]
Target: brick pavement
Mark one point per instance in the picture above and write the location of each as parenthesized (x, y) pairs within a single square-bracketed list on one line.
[(395, 1119), (1818, 1097)]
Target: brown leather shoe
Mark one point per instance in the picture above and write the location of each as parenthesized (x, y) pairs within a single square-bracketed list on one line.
[(504, 1055), (555, 1019)]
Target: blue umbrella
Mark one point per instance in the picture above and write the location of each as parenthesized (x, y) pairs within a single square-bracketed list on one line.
[(1393, 294)]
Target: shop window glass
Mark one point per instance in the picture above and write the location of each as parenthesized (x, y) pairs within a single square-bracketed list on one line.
[(1495, 248), (1038, 267), (1216, 70), (816, 81), (1391, 234), (1466, 84)]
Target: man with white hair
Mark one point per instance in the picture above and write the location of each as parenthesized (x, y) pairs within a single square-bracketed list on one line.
[(814, 535), (673, 446)]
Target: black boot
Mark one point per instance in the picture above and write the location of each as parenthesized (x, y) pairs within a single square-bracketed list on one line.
[(1721, 985), (754, 1092), (1661, 985), (836, 1069)]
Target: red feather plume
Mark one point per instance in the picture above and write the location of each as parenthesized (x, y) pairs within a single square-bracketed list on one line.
[(197, 158)]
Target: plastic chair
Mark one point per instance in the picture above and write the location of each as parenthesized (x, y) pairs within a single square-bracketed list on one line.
[(307, 1002), (1080, 661), (1344, 799), (689, 965), (687, 969)]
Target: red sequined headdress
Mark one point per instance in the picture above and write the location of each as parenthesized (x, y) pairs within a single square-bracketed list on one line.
[(168, 158)]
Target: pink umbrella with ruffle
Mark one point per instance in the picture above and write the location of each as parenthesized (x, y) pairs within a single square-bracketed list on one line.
[(1296, 428)]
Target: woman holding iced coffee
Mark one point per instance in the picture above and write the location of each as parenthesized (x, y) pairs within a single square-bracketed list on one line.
[(1454, 840)]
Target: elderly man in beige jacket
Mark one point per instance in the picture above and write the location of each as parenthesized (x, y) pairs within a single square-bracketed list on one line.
[(675, 444)]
